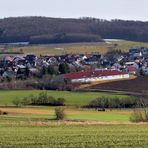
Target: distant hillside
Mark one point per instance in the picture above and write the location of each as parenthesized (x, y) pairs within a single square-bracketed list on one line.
[(58, 30)]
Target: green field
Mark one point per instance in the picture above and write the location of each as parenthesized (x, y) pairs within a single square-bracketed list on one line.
[(36, 127), (73, 102), (72, 136), (72, 98)]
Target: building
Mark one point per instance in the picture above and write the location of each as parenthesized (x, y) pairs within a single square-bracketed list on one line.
[(97, 75), (131, 70)]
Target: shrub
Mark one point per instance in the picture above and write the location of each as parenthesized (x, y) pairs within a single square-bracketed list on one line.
[(44, 99), (41, 99), (59, 113), (60, 102), (16, 102), (136, 116), (33, 99), (146, 116), (116, 102), (26, 101)]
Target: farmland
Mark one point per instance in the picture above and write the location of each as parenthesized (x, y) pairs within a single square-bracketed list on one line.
[(76, 48), (72, 113), (36, 127), (73, 101), (58, 49), (138, 84), (26, 135)]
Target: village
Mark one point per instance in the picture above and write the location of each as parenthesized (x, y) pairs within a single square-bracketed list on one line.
[(79, 68)]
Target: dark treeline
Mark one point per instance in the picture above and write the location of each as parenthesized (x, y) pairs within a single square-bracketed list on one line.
[(128, 102), (58, 30)]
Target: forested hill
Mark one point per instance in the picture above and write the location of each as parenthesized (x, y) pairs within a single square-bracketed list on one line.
[(58, 30)]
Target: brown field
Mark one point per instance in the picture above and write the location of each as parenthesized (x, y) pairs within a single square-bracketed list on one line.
[(58, 49), (139, 84), (76, 48)]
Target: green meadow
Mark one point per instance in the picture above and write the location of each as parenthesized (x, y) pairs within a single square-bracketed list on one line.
[(72, 98)]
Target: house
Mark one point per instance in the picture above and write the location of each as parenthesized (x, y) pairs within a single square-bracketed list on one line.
[(131, 70), (96, 75), (90, 61), (145, 69), (105, 63), (21, 72), (52, 60), (31, 58), (144, 50), (116, 66), (134, 64), (93, 59), (9, 73)]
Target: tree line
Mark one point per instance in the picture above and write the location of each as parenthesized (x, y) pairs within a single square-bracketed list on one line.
[(38, 30)]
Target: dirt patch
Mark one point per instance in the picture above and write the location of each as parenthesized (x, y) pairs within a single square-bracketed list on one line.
[(139, 84), (28, 111), (71, 122)]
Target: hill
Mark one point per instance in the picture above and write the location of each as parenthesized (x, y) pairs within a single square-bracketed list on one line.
[(58, 30)]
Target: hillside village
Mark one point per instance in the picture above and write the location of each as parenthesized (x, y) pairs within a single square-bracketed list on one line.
[(77, 68)]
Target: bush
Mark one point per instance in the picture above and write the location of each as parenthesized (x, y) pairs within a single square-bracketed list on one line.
[(41, 99), (136, 116), (146, 116), (26, 101), (60, 102), (104, 102), (59, 113), (16, 102)]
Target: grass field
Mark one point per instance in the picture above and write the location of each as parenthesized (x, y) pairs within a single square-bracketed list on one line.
[(71, 114), (72, 98), (13, 135), (126, 45), (74, 48)]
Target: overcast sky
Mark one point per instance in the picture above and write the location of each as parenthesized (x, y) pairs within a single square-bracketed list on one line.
[(105, 9)]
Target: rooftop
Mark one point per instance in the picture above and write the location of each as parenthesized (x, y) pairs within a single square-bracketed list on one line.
[(96, 73)]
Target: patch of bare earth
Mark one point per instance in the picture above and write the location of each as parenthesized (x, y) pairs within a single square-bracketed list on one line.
[(139, 84), (71, 122)]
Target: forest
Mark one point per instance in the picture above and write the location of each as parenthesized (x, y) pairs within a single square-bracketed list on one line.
[(38, 30)]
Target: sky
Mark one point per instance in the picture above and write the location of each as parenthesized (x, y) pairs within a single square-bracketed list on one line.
[(104, 9)]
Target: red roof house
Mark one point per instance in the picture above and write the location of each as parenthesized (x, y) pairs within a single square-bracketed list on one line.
[(90, 76), (131, 69)]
